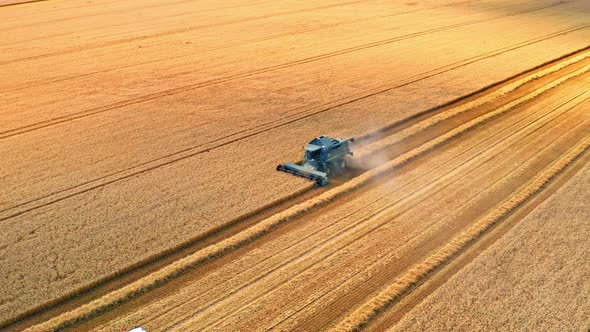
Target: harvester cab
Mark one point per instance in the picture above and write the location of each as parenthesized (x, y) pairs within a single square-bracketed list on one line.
[(323, 158)]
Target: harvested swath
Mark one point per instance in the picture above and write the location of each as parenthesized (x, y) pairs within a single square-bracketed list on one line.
[(85, 267), (240, 301), (259, 232), (544, 261), (412, 131), (418, 273), (173, 270), (254, 304), (432, 121), (97, 282)]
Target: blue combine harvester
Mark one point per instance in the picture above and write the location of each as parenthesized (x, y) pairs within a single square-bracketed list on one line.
[(323, 158)]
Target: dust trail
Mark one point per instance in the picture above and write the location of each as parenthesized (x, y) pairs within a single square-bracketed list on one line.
[(394, 292)]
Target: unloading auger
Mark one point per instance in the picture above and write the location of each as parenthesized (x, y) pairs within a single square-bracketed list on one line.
[(323, 158)]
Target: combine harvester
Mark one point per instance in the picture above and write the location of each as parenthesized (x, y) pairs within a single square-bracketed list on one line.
[(323, 158)]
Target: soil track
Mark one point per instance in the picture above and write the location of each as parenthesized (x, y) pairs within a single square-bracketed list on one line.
[(160, 146)]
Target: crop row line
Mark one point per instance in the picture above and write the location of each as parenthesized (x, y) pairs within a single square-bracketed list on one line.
[(394, 139), (406, 196), (174, 157), (235, 44), (102, 280), (177, 268), (17, 2), (176, 31), (416, 275), (373, 224), (151, 96), (105, 279), (86, 15), (379, 264), (54, 9), (265, 17)]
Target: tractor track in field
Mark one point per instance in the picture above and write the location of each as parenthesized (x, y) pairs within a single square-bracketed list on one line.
[(73, 7), (347, 296), (174, 157), (224, 47), (167, 17), (106, 108), (564, 125), (368, 232), (434, 131), (19, 2), (171, 32), (417, 274), (396, 128), (256, 39), (179, 31), (425, 288), (121, 11), (102, 109), (102, 3)]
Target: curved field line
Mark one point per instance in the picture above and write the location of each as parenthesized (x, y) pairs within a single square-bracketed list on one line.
[(429, 184), (123, 24), (438, 179), (119, 11), (406, 243), (106, 2), (102, 3), (102, 280), (417, 274), (247, 74), (19, 2), (381, 211), (297, 116), (162, 17), (151, 96), (183, 30), (454, 170), (236, 44), (189, 152), (155, 257), (391, 141), (177, 268)]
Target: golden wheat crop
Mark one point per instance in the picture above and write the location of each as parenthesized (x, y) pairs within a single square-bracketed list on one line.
[(175, 269), (541, 262), (405, 283), (127, 140)]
